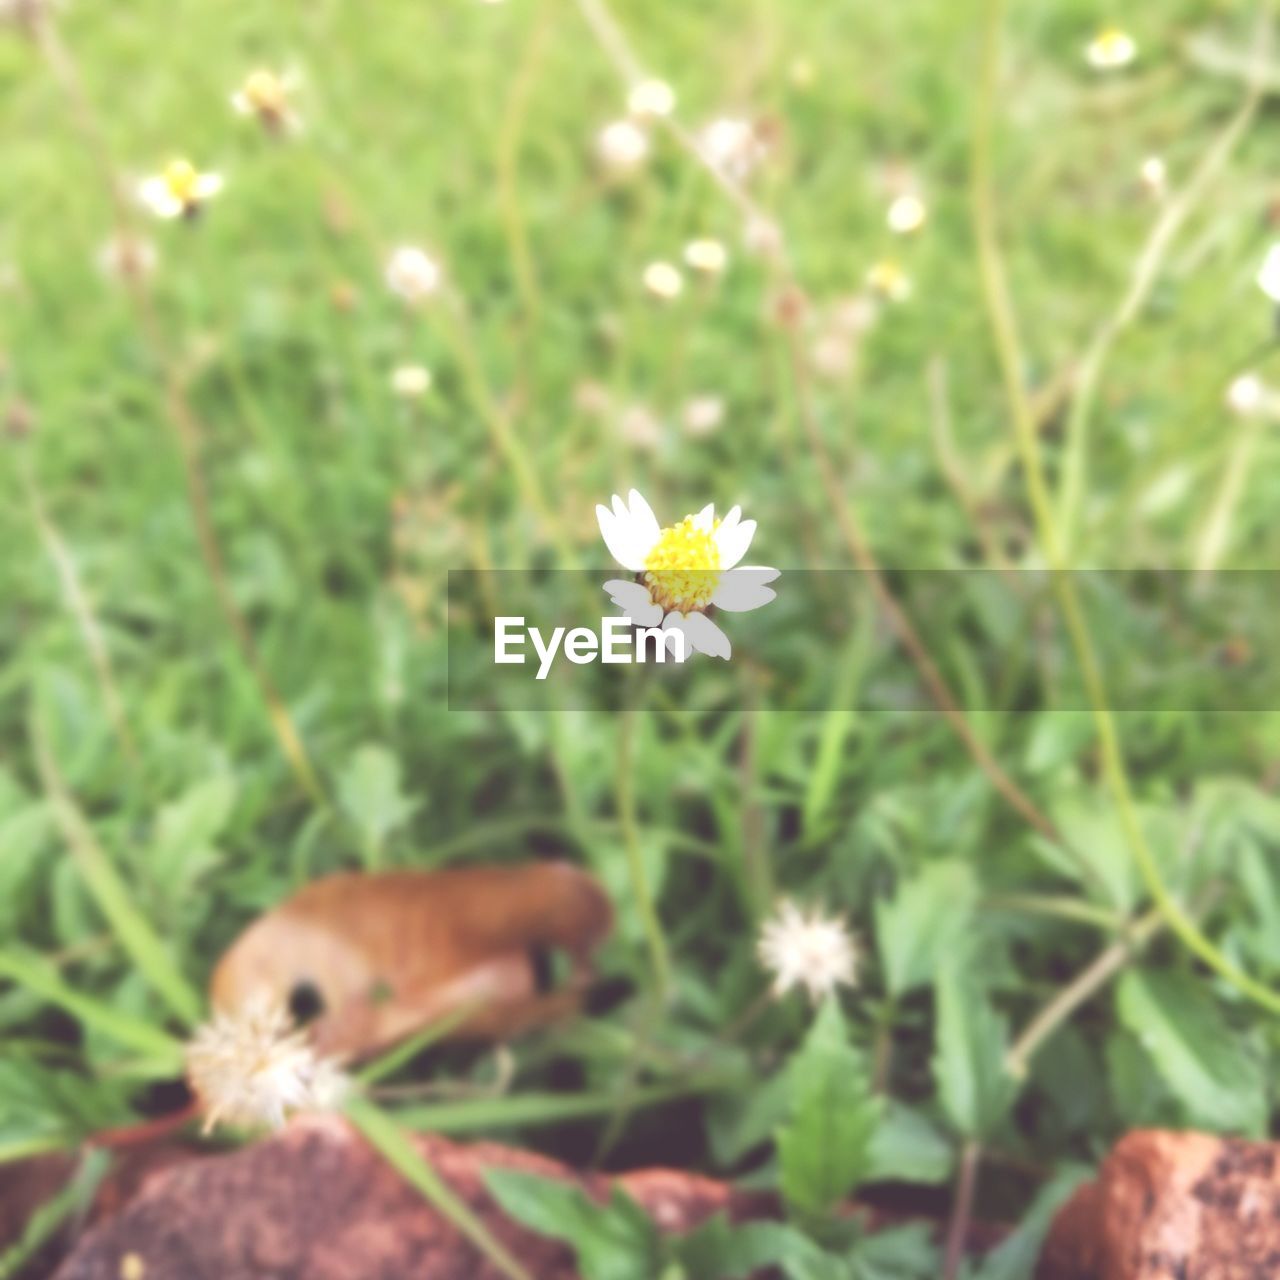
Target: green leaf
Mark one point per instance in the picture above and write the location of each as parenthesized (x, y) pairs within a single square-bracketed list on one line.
[(39, 977), (897, 1253), (615, 1241), (110, 893), (924, 922), (1199, 1056), (369, 791), (908, 1147), (968, 1064), (825, 1148), (719, 1250)]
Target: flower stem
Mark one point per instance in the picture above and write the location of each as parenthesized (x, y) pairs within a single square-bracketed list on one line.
[(625, 795)]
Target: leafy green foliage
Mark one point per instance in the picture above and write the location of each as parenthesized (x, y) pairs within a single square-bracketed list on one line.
[(923, 923), (824, 1149), (613, 1241), (1207, 1065), (968, 1062)]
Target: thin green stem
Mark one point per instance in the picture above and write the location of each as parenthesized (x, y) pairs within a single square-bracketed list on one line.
[(1008, 344), (625, 796)]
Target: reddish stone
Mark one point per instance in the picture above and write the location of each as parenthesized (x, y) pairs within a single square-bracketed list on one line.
[(317, 1203), (1172, 1206)]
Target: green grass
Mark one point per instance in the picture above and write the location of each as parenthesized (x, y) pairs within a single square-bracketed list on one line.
[(338, 509)]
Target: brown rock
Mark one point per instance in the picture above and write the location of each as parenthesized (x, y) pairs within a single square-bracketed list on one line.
[(317, 1203), (1172, 1206)]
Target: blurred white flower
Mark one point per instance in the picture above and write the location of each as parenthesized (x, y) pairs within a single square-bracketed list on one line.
[(811, 950), (413, 274), (663, 280), (702, 414), (1269, 274), (731, 146), (1154, 177), (410, 381), (906, 214), (640, 427), (888, 280), (706, 255), (622, 147), (832, 355), (1111, 49), (683, 570), (592, 398), (651, 99), (179, 191), (252, 1069), (1246, 395), (762, 237), (265, 95), (127, 257)]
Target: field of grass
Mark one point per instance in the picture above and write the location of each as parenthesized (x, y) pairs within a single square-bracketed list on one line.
[(224, 645)]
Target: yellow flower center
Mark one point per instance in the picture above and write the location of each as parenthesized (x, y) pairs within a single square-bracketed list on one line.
[(683, 568), (264, 92), (181, 177)]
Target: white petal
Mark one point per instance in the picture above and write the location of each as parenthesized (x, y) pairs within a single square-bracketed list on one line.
[(744, 589), (619, 538), (241, 104), (706, 517), (706, 637), (155, 194), (733, 542), (678, 622), (730, 522), (644, 522), (208, 184), (634, 601)]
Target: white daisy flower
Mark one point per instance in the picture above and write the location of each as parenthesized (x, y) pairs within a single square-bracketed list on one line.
[(1269, 274), (1154, 177), (651, 99), (253, 1069), (640, 427), (127, 257), (706, 255), (622, 147), (702, 415), (265, 95), (413, 274), (410, 381), (888, 280), (906, 214), (811, 950), (731, 146), (762, 237), (683, 570), (180, 191), (1111, 49), (663, 281)]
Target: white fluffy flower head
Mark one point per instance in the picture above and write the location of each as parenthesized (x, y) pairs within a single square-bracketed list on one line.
[(808, 950), (684, 570), (707, 256), (651, 99), (411, 381), (180, 191), (1111, 49), (413, 274), (622, 147), (252, 1069), (906, 214), (663, 281)]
